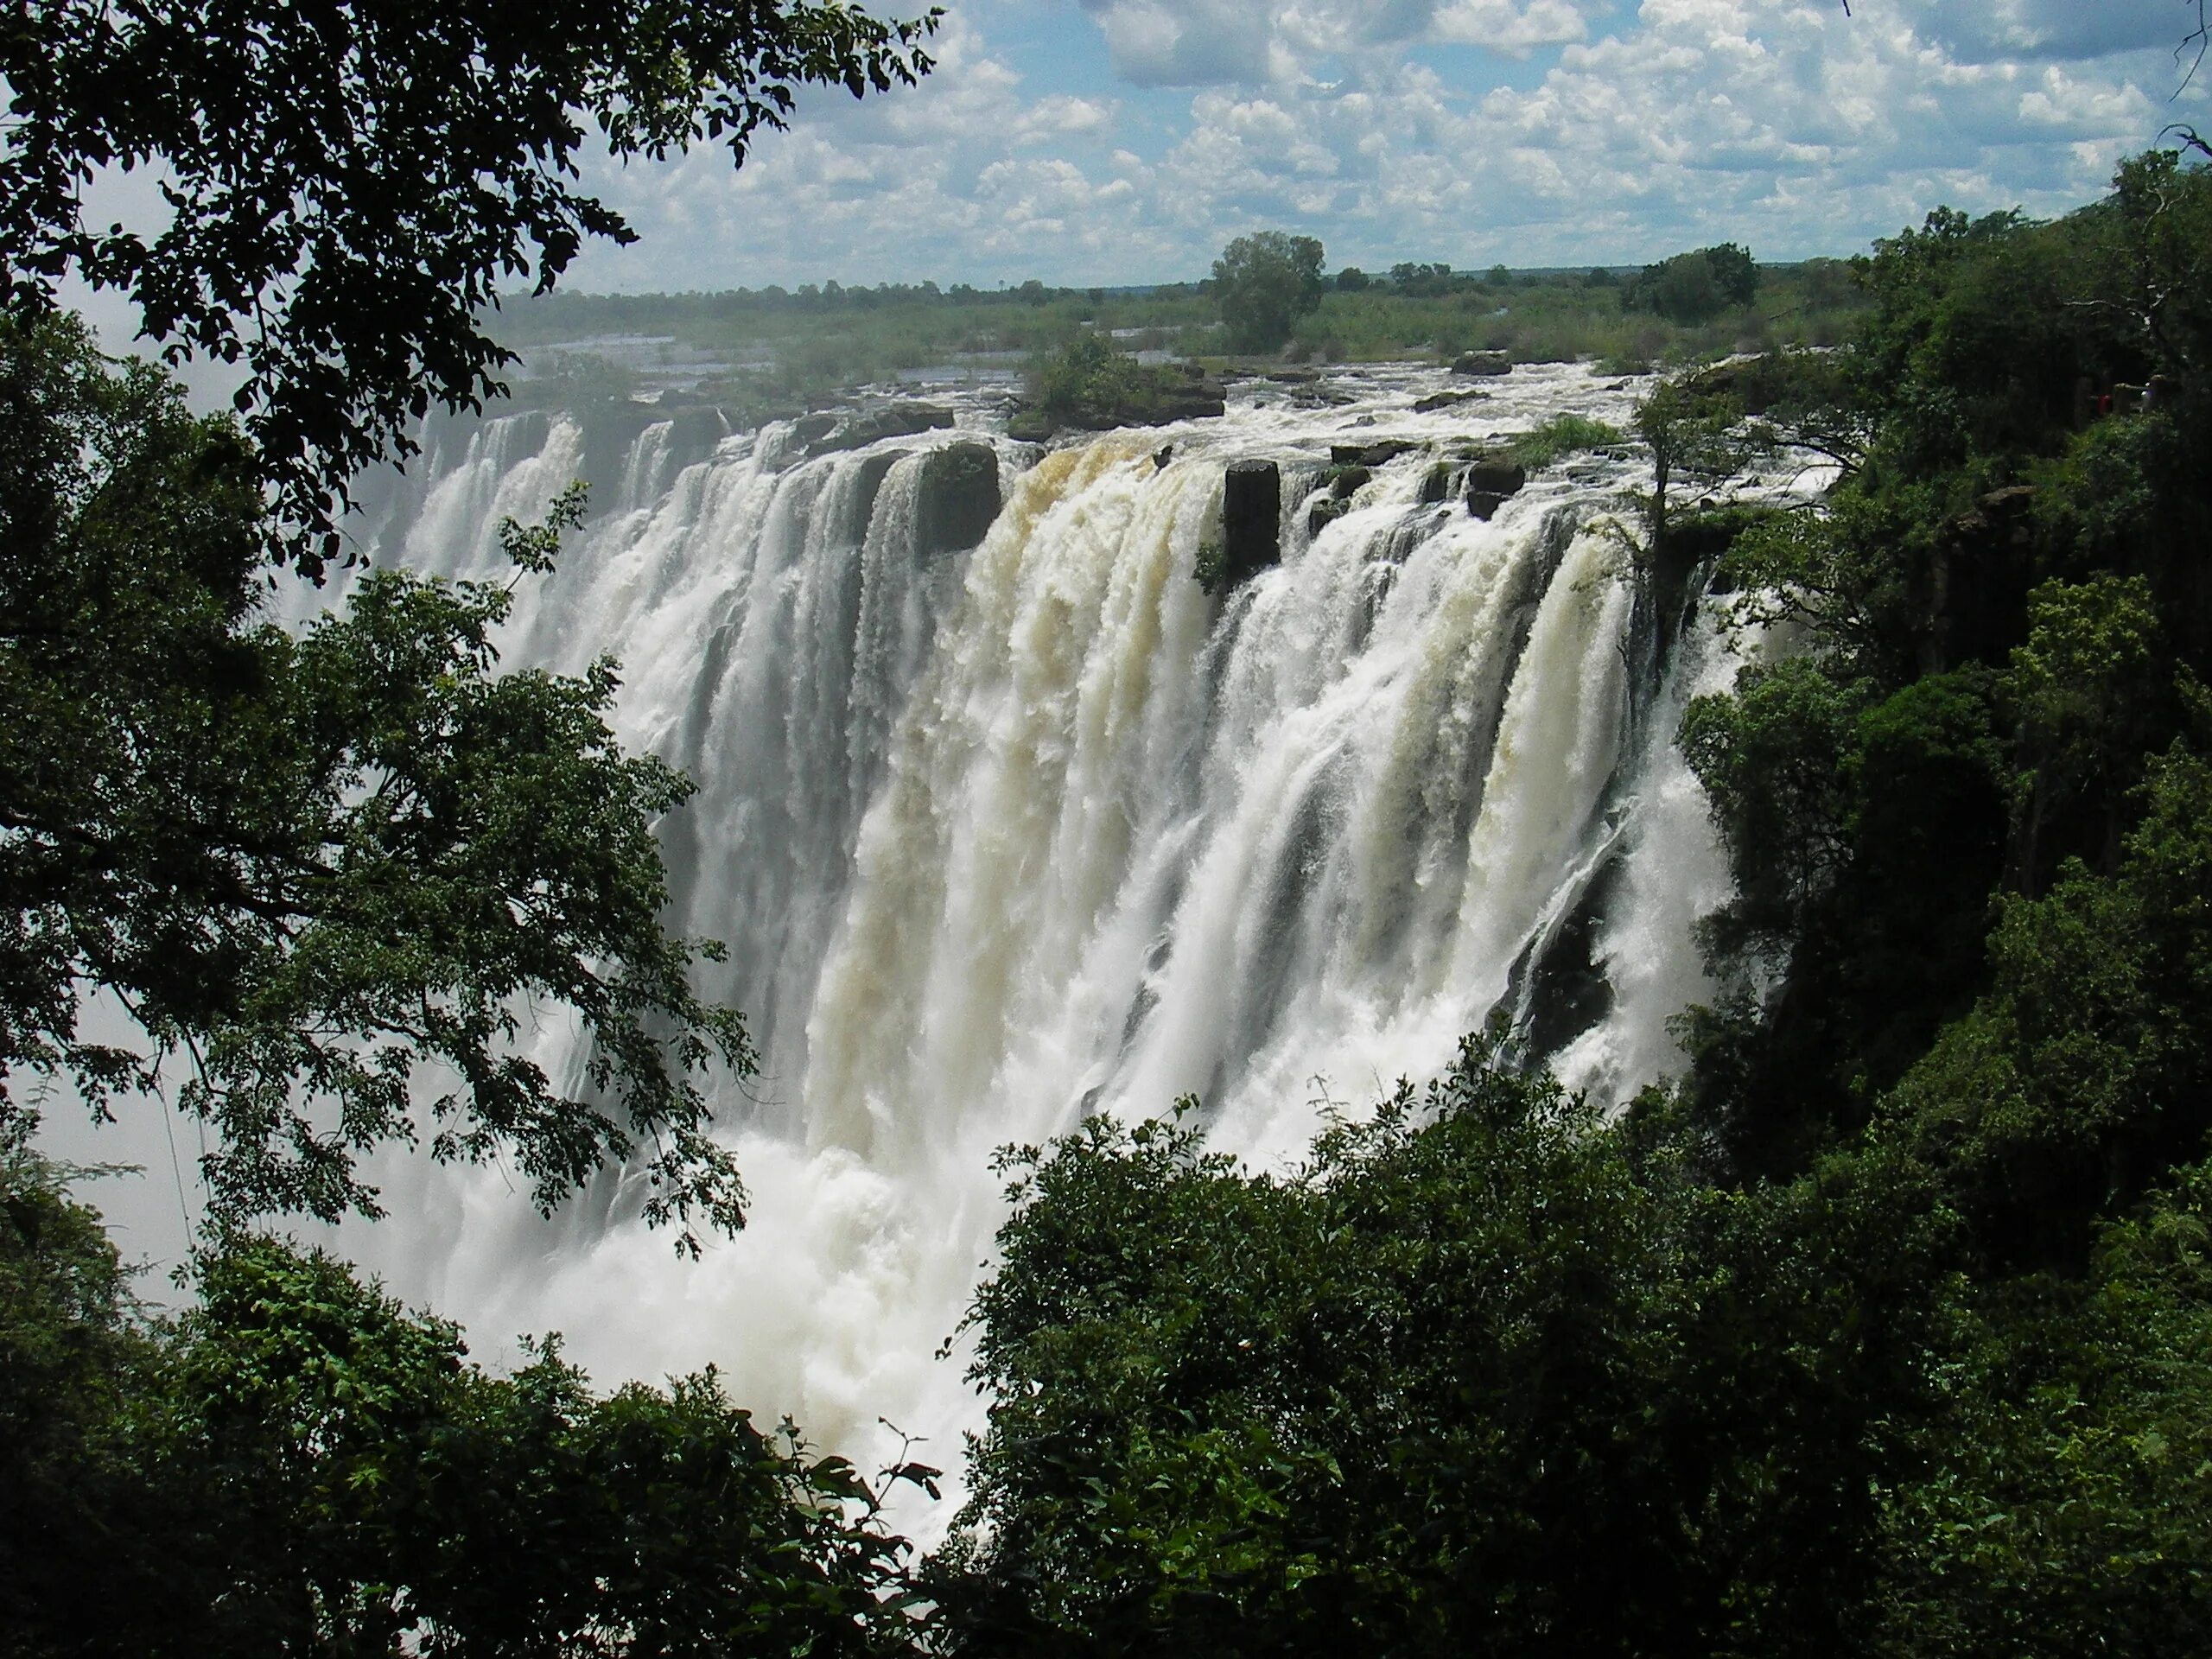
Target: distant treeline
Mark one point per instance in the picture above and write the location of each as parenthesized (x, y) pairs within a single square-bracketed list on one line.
[(808, 342)]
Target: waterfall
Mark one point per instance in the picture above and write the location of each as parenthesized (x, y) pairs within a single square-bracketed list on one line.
[(1003, 835)]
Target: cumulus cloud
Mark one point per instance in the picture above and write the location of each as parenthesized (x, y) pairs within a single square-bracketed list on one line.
[(1642, 126)]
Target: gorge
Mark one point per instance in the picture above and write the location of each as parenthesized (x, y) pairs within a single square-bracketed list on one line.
[(1004, 835)]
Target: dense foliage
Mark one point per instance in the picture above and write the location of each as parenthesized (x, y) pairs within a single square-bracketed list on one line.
[(1264, 283), (1888, 1329), (1695, 287), (299, 1466), (350, 183), (310, 865)]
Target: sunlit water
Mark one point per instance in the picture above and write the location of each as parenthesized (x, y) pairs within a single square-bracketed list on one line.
[(1001, 837)]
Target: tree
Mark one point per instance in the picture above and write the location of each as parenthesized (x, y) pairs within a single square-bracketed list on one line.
[(1487, 1374), (351, 184), (1695, 287), (297, 1465), (1265, 282), (307, 865)]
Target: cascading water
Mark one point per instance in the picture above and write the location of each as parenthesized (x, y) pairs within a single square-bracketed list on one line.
[(1003, 835)]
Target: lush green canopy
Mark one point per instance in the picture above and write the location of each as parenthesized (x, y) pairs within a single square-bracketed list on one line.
[(299, 1466), (1886, 1330), (1265, 282), (351, 182)]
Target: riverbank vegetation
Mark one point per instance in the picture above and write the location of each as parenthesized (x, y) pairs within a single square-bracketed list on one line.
[(767, 349), (1886, 1328)]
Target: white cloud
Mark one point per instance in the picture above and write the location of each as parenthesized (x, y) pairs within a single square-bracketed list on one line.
[(1779, 122)]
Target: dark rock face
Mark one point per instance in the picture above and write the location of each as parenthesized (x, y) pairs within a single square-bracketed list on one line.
[(1435, 401), (826, 434), (1483, 363), (1379, 453), (1347, 481), (1485, 503), (1251, 520), (1161, 401), (1436, 485), (1496, 475), (1324, 513), (959, 497), (874, 471)]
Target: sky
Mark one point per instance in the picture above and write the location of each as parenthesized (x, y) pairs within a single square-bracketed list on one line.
[(1107, 142)]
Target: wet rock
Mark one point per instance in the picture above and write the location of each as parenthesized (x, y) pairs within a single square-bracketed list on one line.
[(1251, 520), (903, 418), (1435, 401), (1496, 475), (1160, 399), (1347, 481), (1485, 503), (1380, 454), (1324, 513), (1437, 487), (1483, 363), (959, 497)]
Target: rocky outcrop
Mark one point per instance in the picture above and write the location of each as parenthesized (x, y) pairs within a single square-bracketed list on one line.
[(827, 432), (1497, 475), (1251, 520), (1159, 399), (1381, 453), (1437, 400), (959, 497), (1483, 363), (1492, 480)]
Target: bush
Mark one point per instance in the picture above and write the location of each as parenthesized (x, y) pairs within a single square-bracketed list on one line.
[(1559, 437)]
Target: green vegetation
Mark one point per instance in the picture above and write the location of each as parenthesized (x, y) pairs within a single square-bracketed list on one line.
[(1697, 287), (1559, 437), (298, 1466), (1090, 387), (312, 864), (769, 351), (1888, 1329), (1264, 283)]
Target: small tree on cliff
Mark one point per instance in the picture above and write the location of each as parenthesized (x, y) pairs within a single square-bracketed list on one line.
[(1265, 282)]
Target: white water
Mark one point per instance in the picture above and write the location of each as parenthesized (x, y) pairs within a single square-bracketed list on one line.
[(1000, 838)]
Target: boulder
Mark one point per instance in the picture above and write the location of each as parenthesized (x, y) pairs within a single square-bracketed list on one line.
[(1483, 363), (1496, 475), (1435, 401), (1485, 503), (1346, 481), (1380, 454), (1251, 520), (903, 418), (1324, 513), (1436, 485), (959, 497)]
